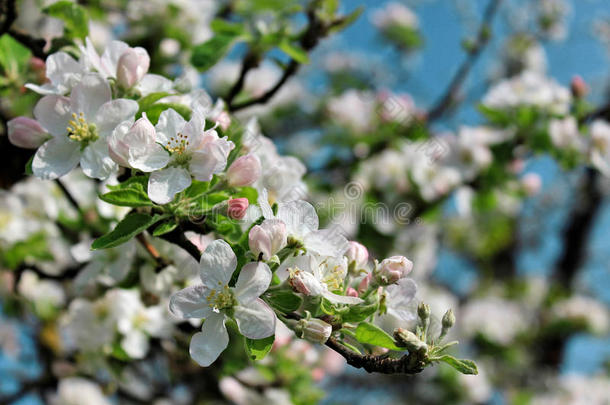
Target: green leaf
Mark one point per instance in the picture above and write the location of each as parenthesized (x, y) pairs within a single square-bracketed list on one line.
[(128, 228), (210, 52), (295, 52), (34, 247), (247, 192), (130, 197), (373, 335), (135, 182), (257, 349), (347, 20), (283, 300), (154, 111), (76, 21), (358, 313), (196, 189), (164, 228), (14, 57), (150, 100), (220, 26), (463, 366)]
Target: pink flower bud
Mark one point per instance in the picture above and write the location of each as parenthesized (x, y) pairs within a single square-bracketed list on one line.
[(244, 171), (237, 208), (357, 253), (132, 66), (26, 133), (304, 282), (364, 284), (351, 292), (393, 269), (531, 183), (224, 120), (579, 87), (268, 238)]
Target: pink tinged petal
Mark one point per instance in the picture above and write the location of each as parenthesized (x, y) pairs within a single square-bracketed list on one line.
[(299, 216), (210, 160), (55, 158), (169, 125), (132, 66), (259, 241), (253, 280), (256, 321), (244, 171), (26, 133), (217, 264), (89, 95), (190, 303), (114, 112), (207, 345), (53, 113), (165, 184), (341, 299), (118, 148), (110, 57), (96, 162)]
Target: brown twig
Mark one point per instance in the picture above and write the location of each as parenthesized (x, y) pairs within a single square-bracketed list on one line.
[(161, 261), (316, 29), (448, 99)]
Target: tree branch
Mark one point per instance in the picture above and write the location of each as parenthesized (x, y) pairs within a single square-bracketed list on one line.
[(411, 363), (177, 238), (448, 99), (316, 29), (9, 9)]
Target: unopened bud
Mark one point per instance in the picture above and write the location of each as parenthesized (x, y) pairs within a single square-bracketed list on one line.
[(579, 87), (423, 311), (351, 292), (409, 340), (392, 269), (314, 330), (237, 208), (132, 66), (267, 238), (26, 133), (244, 171), (448, 319), (304, 282), (364, 283), (358, 254)]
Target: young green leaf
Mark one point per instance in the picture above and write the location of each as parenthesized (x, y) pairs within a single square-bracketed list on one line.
[(76, 21), (257, 349), (165, 227), (13, 56), (295, 52), (283, 300), (374, 335), (130, 197), (210, 52), (463, 366), (128, 228)]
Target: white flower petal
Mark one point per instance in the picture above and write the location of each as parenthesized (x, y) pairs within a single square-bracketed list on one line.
[(400, 295), (326, 242), (207, 345), (341, 299), (217, 264), (113, 113), (152, 83), (263, 202), (255, 321), (89, 95), (53, 114), (253, 280), (208, 161), (190, 303), (165, 184), (55, 158), (135, 344), (63, 70), (299, 216), (154, 158), (95, 161), (170, 123), (110, 57)]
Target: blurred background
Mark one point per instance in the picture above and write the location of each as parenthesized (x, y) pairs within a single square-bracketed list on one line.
[(528, 276)]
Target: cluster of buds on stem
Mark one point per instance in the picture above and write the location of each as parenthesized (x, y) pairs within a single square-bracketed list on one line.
[(392, 269)]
